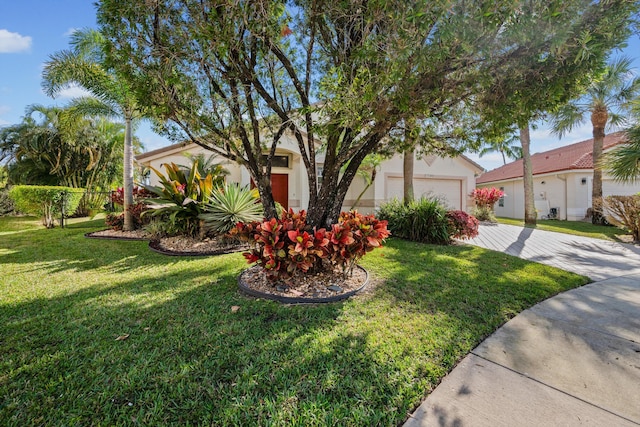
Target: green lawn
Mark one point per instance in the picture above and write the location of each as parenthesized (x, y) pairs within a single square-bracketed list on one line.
[(577, 228), (190, 360)]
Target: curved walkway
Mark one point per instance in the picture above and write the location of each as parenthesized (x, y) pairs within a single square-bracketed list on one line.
[(571, 360)]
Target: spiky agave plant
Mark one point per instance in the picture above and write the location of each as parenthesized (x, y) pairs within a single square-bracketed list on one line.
[(229, 205)]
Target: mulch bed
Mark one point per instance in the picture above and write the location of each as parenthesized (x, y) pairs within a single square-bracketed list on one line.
[(164, 248), (322, 287)]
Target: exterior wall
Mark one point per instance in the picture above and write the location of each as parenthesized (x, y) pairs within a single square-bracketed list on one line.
[(452, 179), (570, 192)]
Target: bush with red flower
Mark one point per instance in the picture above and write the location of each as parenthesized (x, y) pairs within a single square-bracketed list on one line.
[(287, 245), (462, 225), (116, 220), (485, 198)]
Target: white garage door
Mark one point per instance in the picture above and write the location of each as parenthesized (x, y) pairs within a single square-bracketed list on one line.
[(448, 190)]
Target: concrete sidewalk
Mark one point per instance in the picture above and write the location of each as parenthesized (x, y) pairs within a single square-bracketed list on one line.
[(571, 360)]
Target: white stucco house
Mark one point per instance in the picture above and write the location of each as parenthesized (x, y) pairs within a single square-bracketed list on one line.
[(562, 181), (451, 179)]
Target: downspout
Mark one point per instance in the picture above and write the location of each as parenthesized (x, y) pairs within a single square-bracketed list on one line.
[(566, 202)]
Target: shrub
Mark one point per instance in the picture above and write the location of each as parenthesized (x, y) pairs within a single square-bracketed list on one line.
[(462, 225), (181, 196), (624, 212), (116, 220), (6, 203), (423, 220), (229, 205), (486, 196), (46, 201), (484, 213), (159, 227), (353, 236), (141, 196), (287, 245)]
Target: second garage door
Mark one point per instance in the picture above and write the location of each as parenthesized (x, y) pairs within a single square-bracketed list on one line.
[(449, 190)]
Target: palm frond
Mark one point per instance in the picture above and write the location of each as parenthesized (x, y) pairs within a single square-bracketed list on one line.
[(567, 118), (623, 162)]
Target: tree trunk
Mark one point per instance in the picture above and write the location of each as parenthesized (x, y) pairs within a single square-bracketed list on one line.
[(530, 215), (369, 182), (127, 181), (599, 117), (407, 173)]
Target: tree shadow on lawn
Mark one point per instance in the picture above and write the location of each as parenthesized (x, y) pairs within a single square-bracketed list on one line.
[(51, 251), (188, 358)]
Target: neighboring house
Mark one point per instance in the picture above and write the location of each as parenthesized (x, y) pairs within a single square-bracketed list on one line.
[(451, 179), (562, 181)]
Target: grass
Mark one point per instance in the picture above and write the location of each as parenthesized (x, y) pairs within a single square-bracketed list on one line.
[(577, 228), (189, 360)]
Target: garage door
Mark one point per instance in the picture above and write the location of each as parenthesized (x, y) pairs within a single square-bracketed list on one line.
[(448, 190)]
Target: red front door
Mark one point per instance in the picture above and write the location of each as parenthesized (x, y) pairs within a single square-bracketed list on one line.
[(280, 188)]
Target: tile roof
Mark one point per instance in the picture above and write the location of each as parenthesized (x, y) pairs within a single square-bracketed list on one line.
[(569, 157)]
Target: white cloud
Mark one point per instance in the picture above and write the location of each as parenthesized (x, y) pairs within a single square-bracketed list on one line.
[(13, 42), (73, 92), (4, 122), (4, 109), (70, 31)]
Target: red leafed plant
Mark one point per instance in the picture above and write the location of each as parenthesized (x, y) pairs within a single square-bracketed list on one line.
[(287, 245), (462, 225), (139, 193), (486, 197), (116, 220), (353, 236)]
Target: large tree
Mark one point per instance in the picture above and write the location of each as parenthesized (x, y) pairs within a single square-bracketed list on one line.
[(540, 83), (84, 65), (56, 146), (607, 102), (234, 76), (507, 145)]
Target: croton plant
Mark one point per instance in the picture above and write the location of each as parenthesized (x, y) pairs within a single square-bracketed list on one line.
[(287, 245)]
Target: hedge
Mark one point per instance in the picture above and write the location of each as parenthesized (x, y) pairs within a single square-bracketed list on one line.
[(46, 201)]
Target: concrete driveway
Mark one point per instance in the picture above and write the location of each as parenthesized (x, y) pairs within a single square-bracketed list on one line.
[(572, 360)]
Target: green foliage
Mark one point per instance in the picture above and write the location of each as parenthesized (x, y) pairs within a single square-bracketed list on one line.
[(229, 205), (6, 203), (624, 212), (46, 201), (160, 226), (484, 213), (238, 88), (206, 166), (182, 196), (85, 65), (423, 220), (623, 162), (59, 146)]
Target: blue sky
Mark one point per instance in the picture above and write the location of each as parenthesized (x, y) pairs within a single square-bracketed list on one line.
[(31, 30)]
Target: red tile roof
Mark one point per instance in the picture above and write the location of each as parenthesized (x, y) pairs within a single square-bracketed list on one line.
[(569, 157)]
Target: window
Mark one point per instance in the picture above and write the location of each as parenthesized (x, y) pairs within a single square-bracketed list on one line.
[(278, 161), (501, 199), (319, 170)]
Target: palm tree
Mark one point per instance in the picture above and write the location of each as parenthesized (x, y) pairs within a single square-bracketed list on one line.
[(508, 146), (608, 102), (623, 162), (85, 65), (55, 146)]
